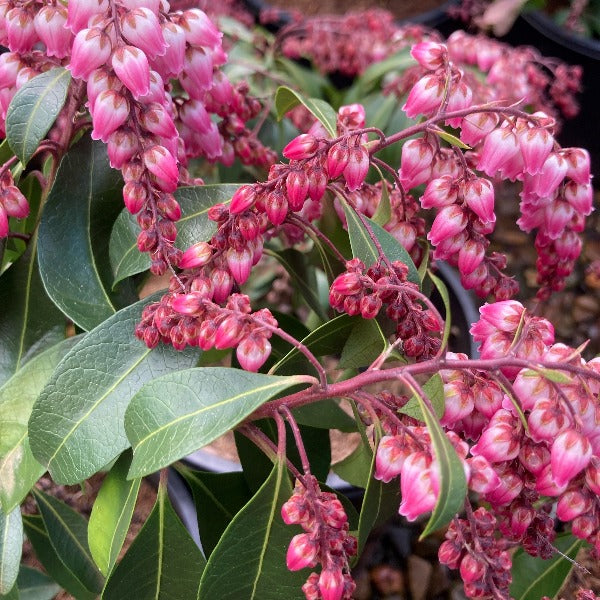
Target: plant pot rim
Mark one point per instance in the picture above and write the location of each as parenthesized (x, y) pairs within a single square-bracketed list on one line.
[(545, 25)]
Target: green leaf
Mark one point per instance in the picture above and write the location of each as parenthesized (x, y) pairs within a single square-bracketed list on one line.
[(365, 343), (308, 80), (67, 264), (364, 248), (111, 514), (176, 414), (46, 554), (11, 545), (67, 531), (451, 139), (325, 339), (5, 152), (533, 577), (397, 62), (453, 484), (33, 110), (383, 213), (550, 374), (13, 594), (249, 561), (218, 498), (303, 277), (76, 426), (325, 414), (29, 321), (18, 468), (443, 291), (286, 99), (163, 562), (356, 467), (434, 388), (35, 585), (194, 226)]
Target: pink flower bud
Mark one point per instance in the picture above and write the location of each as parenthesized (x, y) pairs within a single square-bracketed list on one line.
[(572, 504), (449, 222), (520, 519), (497, 443), (506, 491), (110, 111), (197, 72), (20, 30), (425, 97), (418, 495), (170, 64), (440, 192), (499, 148), (156, 119), (415, 164), (556, 216), (470, 256), (296, 184), (317, 182), (252, 352), (134, 196), (460, 97), (302, 552), (479, 196), (580, 197), (161, 163), (352, 115), (199, 29), (79, 13), (194, 115), (50, 25), (459, 402), (337, 159), (570, 454), (302, 146), (276, 207), (546, 485), (186, 304), (357, 168), (536, 144), (239, 263), (504, 316), (578, 161), (430, 55), (14, 202), (483, 478), (10, 65), (471, 569), (331, 584), (131, 66), (477, 126), (222, 284), (122, 146), (552, 173), (243, 198), (229, 332), (391, 454), (196, 256), (91, 49), (370, 306), (142, 30), (347, 284)]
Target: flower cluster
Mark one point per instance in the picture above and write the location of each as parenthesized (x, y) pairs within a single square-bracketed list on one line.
[(357, 292), (325, 541), (12, 202)]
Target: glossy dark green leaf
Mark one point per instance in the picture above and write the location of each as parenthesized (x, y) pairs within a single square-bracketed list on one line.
[(35, 585), (356, 467), (379, 109), (76, 426), (162, 563), (325, 414), (302, 275), (67, 263), (46, 554), (286, 99), (18, 468), (318, 450), (5, 151), (364, 248), (443, 291), (176, 414), (249, 561), (383, 213), (194, 226), (308, 80), (218, 498), (434, 388), (67, 531), (11, 544), (365, 343), (33, 110), (111, 514), (533, 577), (29, 321)]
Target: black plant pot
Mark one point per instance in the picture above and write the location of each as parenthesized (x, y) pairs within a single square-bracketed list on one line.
[(539, 30)]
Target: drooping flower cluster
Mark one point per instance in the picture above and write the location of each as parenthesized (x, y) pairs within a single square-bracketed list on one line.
[(357, 292), (325, 541)]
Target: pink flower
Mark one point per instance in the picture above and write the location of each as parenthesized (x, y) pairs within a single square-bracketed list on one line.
[(3, 222), (229, 332), (131, 66), (450, 221), (239, 263), (302, 552), (91, 49), (10, 65), (252, 352), (20, 30), (197, 72), (418, 495), (171, 63), (504, 316), (572, 504), (243, 198), (110, 111), (470, 256), (222, 284), (199, 29), (357, 168), (79, 13), (302, 146), (186, 304), (161, 163), (536, 144), (337, 159), (483, 478), (196, 256), (425, 97), (479, 196), (134, 196), (578, 161), (499, 147), (14, 202), (570, 454), (49, 23), (476, 126), (430, 55), (331, 584), (440, 192), (552, 173), (391, 454), (141, 29), (415, 164), (276, 207), (157, 120), (498, 443), (296, 185)]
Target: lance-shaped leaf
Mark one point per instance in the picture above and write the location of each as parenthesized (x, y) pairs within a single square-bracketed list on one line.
[(176, 414), (364, 247), (249, 561), (11, 544), (356, 467), (18, 468), (67, 263), (29, 321), (163, 562), (434, 389), (363, 346), (76, 426), (194, 226), (35, 585), (534, 578), (67, 531), (218, 498), (33, 110), (45, 553), (443, 291), (286, 99), (111, 514)]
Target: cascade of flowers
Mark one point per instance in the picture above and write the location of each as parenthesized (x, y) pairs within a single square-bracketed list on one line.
[(523, 419)]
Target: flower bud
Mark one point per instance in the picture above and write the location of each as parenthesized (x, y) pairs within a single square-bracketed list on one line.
[(303, 146)]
